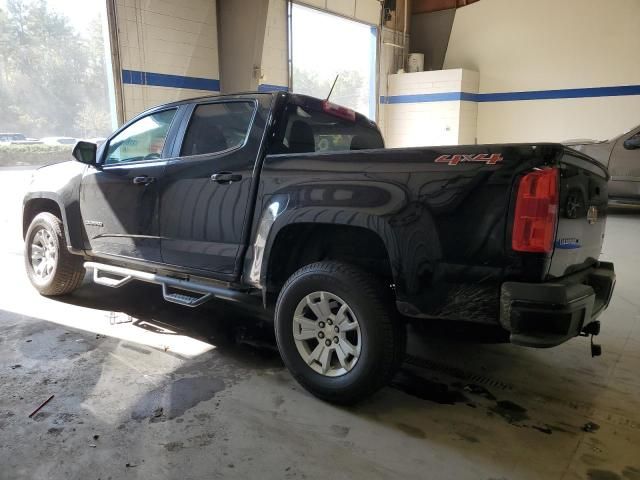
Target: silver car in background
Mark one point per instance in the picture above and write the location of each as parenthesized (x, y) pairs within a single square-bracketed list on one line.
[(621, 155)]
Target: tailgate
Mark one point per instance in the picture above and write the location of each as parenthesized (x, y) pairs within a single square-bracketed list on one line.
[(582, 213)]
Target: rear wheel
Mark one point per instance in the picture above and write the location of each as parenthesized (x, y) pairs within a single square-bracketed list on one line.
[(51, 269), (337, 333)]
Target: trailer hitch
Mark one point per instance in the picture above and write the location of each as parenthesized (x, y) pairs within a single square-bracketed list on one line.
[(592, 330)]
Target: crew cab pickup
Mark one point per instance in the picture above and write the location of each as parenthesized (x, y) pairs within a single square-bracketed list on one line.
[(293, 204)]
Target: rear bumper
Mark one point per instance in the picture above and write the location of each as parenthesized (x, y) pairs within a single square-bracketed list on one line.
[(548, 314)]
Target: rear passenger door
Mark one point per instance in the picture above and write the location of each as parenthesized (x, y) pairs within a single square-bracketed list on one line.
[(204, 199)]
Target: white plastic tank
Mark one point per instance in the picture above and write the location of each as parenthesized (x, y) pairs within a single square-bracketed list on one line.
[(415, 62)]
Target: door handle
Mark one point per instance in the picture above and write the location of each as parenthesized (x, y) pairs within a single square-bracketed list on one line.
[(226, 177), (143, 180)]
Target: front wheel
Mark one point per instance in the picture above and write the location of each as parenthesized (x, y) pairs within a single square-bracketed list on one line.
[(336, 333), (51, 269)]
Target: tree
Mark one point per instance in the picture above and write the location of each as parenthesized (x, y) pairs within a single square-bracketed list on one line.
[(51, 73)]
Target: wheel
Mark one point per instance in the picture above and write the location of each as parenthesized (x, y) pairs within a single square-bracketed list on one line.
[(337, 333), (50, 267)]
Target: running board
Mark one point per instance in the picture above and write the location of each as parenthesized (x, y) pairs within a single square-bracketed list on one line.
[(203, 291)]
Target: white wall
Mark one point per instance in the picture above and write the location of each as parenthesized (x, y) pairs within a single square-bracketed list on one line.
[(166, 37), (424, 121), (391, 60), (523, 45)]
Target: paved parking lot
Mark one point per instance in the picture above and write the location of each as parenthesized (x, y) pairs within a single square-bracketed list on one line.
[(145, 389)]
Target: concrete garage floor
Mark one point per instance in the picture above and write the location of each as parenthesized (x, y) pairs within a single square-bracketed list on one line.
[(177, 393)]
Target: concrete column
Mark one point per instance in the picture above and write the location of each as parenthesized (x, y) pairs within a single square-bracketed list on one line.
[(241, 32)]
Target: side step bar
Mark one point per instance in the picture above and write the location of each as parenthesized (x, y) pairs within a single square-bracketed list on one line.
[(204, 291)]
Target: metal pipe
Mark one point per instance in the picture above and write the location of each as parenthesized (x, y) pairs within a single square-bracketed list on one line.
[(404, 32), (41, 405)]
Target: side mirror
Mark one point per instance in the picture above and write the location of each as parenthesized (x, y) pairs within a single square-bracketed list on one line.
[(632, 143), (85, 152)]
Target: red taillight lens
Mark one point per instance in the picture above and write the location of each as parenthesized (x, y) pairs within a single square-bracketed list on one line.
[(338, 111), (536, 214)]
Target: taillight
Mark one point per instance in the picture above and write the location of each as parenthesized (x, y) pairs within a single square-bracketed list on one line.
[(338, 111), (536, 213)]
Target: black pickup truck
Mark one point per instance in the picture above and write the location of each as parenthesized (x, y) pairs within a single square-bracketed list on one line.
[(293, 203)]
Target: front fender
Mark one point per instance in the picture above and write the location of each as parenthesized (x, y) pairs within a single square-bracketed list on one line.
[(60, 183)]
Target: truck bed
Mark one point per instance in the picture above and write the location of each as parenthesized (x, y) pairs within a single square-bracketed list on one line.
[(444, 214)]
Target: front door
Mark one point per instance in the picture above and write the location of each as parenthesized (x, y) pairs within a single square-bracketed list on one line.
[(624, 168), (119, 199), (205, 195)]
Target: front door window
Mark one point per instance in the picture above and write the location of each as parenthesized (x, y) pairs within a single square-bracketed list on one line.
[(142, 140)]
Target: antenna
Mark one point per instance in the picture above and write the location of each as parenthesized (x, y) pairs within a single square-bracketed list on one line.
[(332, 87)]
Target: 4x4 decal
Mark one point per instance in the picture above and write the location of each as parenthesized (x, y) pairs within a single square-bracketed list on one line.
[(489, 159)]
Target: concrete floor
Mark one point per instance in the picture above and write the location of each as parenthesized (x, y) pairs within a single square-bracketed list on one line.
[(186, 394)]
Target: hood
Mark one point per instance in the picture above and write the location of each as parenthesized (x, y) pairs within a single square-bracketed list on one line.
[(51, 178)]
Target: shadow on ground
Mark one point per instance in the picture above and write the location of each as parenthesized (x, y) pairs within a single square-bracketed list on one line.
[(248, 340)]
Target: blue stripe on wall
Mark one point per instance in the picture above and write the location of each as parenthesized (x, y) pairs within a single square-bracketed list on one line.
[(428, 97), (515, 96), (558, 94), (265, 87), (134, 77)]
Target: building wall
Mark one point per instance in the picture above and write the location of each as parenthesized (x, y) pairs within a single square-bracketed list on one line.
[(430, 36), (167, 51), (421, 110), (274, 69), (551, 48), (241, 39)]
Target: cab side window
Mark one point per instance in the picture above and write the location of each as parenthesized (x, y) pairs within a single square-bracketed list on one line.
[(216, 127), (142, 140), (308, 130)]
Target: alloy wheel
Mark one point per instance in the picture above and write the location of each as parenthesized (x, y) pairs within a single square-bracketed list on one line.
[(327, 334)]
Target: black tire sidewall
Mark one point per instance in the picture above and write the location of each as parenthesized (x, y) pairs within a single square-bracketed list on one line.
[(39, 223), (367, 316)]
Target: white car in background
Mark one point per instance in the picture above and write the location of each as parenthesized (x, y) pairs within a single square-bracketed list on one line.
[(59, 140), (8, 138), (96, 140), (17, 139), (621, 155)]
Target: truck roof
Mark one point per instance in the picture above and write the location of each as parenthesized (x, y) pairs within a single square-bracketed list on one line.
[(297, 98)]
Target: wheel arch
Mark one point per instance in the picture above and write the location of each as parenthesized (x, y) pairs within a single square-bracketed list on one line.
[(364, 241), (51, 203)]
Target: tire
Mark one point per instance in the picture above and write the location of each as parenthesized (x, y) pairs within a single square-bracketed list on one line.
[(380, 335), (62, 272)]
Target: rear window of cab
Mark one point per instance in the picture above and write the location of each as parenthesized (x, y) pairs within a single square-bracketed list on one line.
[(316, 126)]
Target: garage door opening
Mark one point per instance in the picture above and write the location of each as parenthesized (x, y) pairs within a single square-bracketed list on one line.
[(322, 46)]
